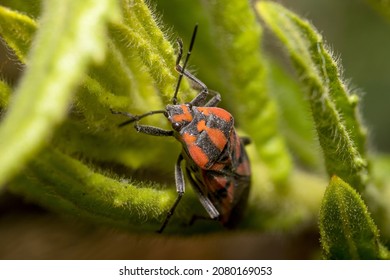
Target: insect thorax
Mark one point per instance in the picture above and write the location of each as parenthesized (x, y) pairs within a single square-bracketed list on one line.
[(203, 131)]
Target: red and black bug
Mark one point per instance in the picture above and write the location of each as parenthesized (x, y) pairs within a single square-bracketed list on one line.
[(216, 162)]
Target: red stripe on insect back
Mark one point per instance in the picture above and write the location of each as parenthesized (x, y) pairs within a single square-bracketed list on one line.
[(216, 136), (189, 139), (201, 125), (218, 112), (186, 116), (198, 156), (196, 153)]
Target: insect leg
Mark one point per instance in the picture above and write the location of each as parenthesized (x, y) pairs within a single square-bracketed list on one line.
[(152, 130), (204, 200), (180, 188), (146, 129), (135, 118), (213, 102), (179, 68), (209, 206), (200, 99)]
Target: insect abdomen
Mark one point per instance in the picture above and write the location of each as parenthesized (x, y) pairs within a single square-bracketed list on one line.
[(226, 182)]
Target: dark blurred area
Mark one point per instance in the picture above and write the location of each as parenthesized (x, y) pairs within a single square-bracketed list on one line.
[(28, 232), (356, 34)]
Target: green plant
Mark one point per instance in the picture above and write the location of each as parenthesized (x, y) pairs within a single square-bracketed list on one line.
[(60, 146)]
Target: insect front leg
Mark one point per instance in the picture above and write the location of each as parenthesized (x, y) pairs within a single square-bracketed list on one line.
[(180, 188), (200, 99), (152, 130), (213, 102), (146, 129)]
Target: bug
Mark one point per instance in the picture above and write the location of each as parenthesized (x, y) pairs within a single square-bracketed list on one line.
[(216, 163)]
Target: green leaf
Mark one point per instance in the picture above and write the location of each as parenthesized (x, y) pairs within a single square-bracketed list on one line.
[(334, 107), (32, 8), (5, 92), (17, 30), (347, 230), (296, 122), (65, 185), (70, 38), (377, 195), (244, 75), (137, 76)]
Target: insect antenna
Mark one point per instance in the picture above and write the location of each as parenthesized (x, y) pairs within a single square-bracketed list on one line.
[(179, 68), (136, 118)]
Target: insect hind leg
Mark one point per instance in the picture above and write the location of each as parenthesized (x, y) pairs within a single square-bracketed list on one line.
[(204, 200), (180, 188)]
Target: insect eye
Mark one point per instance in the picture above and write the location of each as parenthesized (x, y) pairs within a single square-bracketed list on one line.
[(177, 125)]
